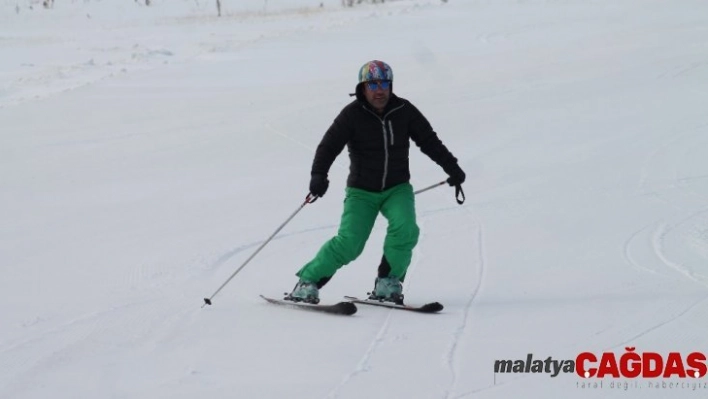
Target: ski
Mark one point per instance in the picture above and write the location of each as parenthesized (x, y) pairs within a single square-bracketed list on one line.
[(341, 308), (432, 307)]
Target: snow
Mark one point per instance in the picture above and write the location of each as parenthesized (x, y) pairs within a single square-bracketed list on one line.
[(147, 152)]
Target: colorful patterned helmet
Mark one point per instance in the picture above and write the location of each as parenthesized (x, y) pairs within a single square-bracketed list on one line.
[(375, 70)]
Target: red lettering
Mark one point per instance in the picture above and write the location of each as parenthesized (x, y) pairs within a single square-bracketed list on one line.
[(674, 366), (630, 364), (697, 363), (608, 365), (646, 364), (650, 359), (580, 365)]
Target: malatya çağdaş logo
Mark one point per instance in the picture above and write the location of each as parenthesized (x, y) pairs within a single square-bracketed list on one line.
[(630, 364)]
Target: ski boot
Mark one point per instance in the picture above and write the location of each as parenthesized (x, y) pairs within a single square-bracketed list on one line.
[(304, 291), (387, 289)]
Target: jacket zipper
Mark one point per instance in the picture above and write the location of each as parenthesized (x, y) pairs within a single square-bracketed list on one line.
[(385, 173), (383, 126)]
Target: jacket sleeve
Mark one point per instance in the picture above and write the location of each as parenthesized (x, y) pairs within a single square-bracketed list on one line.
[(332, 144), (425, 137)]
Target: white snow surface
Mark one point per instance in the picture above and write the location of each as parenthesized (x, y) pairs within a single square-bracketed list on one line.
[(147, 152)]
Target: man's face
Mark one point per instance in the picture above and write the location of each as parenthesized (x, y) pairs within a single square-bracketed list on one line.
[(377, 93)]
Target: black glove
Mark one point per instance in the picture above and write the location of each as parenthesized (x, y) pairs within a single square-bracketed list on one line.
[(318, 185), (457, 176)]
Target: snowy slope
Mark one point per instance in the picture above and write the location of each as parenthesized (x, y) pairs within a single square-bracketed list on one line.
[(145, 153)]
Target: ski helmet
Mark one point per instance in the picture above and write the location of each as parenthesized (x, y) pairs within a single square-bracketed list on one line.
[(375, 70)]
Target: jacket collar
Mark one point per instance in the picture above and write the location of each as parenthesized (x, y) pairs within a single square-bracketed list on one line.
[(393, 101)]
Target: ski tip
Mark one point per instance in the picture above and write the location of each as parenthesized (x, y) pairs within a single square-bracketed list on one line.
[(347, 308), (432, 307)]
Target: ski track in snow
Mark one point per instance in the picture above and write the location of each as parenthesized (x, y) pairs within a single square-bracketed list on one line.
[(653, 236), (82, 334), (225, 257), (86, 319), (650, 238), (667, 159), (452, 353), (659, 325), (660, 178), (363, 365), (630, 242), (658, 245)]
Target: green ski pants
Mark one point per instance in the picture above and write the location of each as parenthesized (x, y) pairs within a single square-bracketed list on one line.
[(361, 207)]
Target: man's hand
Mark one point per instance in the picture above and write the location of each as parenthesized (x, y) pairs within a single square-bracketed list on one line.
[(457, 176), (319, 185)]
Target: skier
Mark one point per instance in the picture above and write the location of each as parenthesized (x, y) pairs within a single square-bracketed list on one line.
[(376, 128)]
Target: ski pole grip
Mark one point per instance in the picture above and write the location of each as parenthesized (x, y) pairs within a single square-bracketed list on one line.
[(459, 194), (311, 198)]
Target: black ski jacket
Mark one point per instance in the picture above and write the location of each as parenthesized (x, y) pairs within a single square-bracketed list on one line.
[(379, 145)]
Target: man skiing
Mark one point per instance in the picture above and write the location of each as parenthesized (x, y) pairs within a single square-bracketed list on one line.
[(377, 128)]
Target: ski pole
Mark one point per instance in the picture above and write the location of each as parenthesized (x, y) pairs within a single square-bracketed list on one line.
[(459, 194), (308, 200), (430, 187)]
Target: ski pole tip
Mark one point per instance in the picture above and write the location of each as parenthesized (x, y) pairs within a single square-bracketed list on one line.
[(207, 301)]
